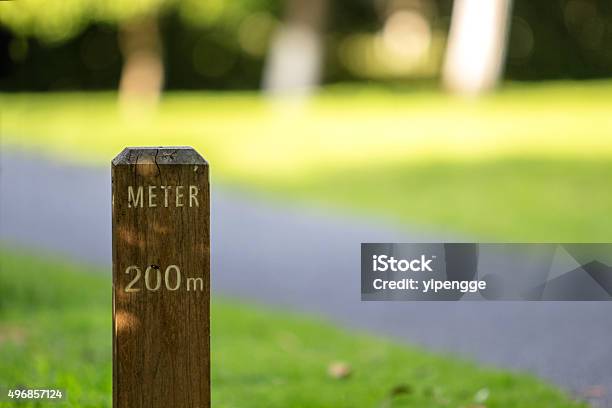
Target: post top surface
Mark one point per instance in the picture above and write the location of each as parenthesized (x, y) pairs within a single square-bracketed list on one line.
[(159, 155)]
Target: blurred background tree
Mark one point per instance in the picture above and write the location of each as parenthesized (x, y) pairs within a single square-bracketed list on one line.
[(295, 59), (140, 46), (80, 41), (477, 44)]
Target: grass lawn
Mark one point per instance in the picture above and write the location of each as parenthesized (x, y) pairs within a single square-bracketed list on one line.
[(531, 163), (55, 331)]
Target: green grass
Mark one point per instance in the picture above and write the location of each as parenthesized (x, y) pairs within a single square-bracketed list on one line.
[(55, 331), (530, 163), (519, 199)]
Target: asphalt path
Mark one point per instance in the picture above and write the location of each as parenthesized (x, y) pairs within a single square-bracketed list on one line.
[(307, 259)]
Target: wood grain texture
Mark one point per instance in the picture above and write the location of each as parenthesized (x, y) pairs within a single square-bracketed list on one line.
[(161, 338)]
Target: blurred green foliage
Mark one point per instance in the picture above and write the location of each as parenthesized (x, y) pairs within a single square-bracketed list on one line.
[(55, 331), (215, 44), (59, 21)]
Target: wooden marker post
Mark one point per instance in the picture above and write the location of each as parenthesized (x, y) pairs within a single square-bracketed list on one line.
[(161, 278)]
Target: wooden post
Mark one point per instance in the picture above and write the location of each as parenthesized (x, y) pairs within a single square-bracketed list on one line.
[(161, 278)]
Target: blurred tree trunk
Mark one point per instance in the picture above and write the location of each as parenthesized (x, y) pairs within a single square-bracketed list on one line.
[(143, 70), (295, 58), (477, 44)]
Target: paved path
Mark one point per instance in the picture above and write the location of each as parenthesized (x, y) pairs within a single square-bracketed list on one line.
[(309, 260)]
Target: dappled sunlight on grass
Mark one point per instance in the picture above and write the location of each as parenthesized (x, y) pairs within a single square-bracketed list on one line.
[(246, 136), (527, 163)]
